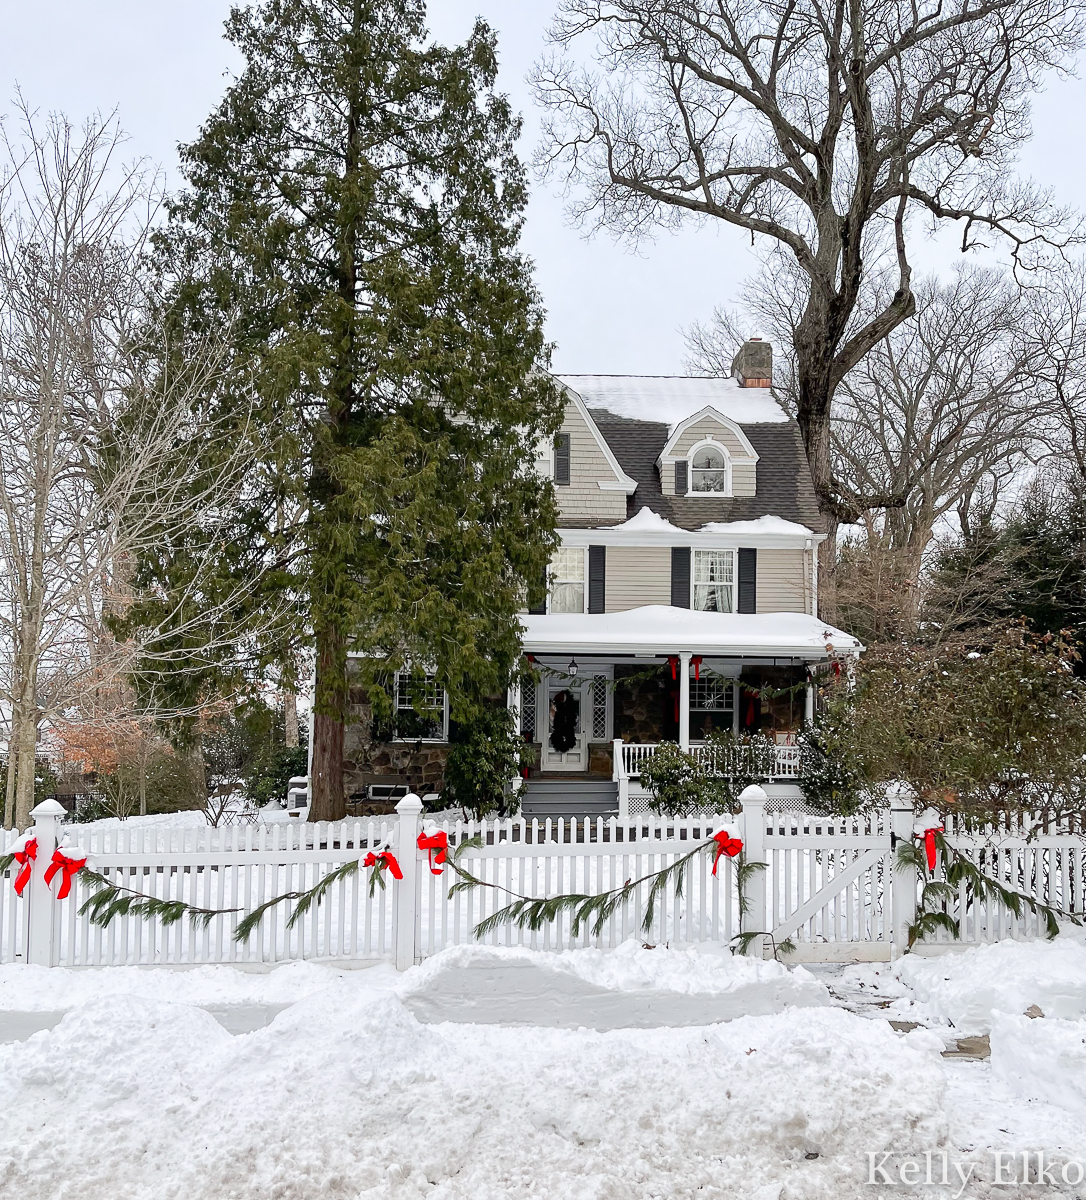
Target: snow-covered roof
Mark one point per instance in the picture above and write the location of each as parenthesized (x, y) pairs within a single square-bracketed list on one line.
[(660, 629), (767, 524), (649, 528), (647, 521), (672, 398)]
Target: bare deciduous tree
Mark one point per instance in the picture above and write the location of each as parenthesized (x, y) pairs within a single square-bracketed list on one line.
[(97, 439), (822, 125), (942, 413)]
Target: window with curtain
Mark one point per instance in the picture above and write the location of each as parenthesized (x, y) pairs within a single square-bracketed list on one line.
[(714, 580), (709, 471), (567, 580)]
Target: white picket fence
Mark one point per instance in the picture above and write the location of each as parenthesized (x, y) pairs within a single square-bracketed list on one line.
[(830, 885)]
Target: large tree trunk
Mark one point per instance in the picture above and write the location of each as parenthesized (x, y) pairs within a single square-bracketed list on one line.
[(290, 719), (13, 773), (26, 764), (328, 801), (814, 423)]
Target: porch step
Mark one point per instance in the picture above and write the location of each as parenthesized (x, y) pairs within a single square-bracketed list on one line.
[(569, 798)]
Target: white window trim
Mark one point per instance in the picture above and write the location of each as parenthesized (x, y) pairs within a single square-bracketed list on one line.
[(584, 581), (428, 741), (713, 444), (734, 552)]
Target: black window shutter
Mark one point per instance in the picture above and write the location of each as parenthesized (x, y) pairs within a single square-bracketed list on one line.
[(561, 458), (681, 478), (680, 576), (541, 607), (597, 579), (748, 581)]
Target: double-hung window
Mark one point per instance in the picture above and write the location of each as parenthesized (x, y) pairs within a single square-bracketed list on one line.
[(567, 580), (709, 471), (422, 712), (714, 580)]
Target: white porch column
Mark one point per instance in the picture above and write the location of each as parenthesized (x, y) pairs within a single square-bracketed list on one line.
[(809, 703), (684, 701), (514, 703)]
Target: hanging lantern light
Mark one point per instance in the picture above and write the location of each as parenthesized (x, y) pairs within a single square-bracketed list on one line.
[(573, 666)]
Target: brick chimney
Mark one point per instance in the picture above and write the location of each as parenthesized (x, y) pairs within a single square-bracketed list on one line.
[(753, 365)]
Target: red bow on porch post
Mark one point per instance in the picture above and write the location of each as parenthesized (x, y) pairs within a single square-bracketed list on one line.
[(25, 856), (673, 663), (382, 859), (67, 861), (695, 662), (725, 844), (438, 841)]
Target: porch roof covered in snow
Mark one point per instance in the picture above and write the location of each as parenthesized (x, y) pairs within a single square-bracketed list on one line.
[(656, 630)]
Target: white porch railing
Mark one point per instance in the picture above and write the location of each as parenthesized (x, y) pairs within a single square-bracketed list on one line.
[(631, 756)]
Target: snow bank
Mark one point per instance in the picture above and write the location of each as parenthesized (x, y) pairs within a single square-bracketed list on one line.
[(963, 989), (44, 989), (346, 1095), (1042, 1059), (629, 987)]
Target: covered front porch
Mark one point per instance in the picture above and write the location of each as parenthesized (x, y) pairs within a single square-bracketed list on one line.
[(612, 686)]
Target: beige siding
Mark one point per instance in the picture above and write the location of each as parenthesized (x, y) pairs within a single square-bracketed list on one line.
[(709, 427), (744, 481), (583, 501), (637, 575), (744, 469), (782, 585)]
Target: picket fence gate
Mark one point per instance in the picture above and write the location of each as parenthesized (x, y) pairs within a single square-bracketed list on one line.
[(830, 885)]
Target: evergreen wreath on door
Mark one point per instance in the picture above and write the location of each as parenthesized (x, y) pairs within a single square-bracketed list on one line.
[(566, 709)]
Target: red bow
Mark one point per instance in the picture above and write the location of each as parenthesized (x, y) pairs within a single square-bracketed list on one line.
[(695, 662), (438, 841), (929, 845), (70, 866), (25, 857), (382, 859), (673, 663), (725, 844)]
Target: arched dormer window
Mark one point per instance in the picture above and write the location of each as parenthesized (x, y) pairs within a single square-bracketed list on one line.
[(710, 470)]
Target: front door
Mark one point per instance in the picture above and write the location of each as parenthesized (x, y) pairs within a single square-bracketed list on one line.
[(566, 745)]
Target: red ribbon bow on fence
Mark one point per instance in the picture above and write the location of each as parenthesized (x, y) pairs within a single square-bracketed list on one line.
[(69, 864), (929, 845), (725, 844), (25, 858), (382, 859), (438, 841), (926, 827)]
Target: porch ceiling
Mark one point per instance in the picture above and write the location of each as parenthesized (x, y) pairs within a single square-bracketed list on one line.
[(659, 629)]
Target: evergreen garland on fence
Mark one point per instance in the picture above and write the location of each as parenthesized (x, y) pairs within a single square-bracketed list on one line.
[(957, 869)]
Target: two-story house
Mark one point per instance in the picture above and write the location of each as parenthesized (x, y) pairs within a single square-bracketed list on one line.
[(684, 596)]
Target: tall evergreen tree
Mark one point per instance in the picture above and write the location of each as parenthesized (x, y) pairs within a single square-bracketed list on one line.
[(351, 225)]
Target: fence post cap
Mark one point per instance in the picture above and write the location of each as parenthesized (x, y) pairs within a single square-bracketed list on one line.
[(47, 808), (901, 794), (753, 794), (409, 804)]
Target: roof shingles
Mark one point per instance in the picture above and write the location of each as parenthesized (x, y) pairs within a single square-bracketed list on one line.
[(784, 487)]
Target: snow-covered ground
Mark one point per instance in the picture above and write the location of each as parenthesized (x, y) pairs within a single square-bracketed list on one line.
[(488, 1073)]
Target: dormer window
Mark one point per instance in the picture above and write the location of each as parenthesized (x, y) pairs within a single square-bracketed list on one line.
[(709, 471)]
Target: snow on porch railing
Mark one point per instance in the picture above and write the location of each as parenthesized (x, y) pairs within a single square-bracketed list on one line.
[(631, 756)]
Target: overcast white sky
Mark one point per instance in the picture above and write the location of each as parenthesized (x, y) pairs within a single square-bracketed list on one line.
[(163, 65)]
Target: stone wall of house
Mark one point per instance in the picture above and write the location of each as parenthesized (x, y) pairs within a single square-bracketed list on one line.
[(420, 766), (644, 705)]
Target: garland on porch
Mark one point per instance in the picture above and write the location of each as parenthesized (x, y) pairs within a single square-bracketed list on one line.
[(931, 914)]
